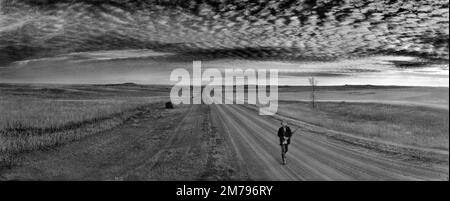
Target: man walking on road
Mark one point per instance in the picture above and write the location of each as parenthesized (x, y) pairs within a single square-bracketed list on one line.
[(285, 134)]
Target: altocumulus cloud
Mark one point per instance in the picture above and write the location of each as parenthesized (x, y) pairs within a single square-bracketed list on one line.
[(253, 29)]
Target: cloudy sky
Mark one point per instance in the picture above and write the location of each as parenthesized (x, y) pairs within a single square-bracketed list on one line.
[(295, 31)]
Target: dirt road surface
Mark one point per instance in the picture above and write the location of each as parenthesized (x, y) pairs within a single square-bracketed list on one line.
[(211, 142), (310, 156), (155, 144)]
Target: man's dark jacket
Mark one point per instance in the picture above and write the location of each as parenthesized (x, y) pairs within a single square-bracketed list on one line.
[(282, 133)]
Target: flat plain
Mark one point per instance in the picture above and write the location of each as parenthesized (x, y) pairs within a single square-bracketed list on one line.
[(123, 132)]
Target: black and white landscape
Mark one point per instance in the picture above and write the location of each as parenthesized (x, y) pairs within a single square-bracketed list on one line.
[(84, 86)]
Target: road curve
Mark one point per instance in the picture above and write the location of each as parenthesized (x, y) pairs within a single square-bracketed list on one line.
[(310, 157)]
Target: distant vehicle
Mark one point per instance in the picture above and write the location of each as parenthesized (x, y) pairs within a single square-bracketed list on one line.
[(169, 105)]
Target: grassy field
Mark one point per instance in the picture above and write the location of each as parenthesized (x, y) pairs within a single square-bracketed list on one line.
[(35, 117), (24, 113), (437, 97), (409, 125)]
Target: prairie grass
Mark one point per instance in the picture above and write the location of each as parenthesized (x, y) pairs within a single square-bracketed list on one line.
[(29, 123), (49, 113), (410, 125)]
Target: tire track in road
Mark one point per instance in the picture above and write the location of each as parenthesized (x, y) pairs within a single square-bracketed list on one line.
[(253, 153), (310, 156)]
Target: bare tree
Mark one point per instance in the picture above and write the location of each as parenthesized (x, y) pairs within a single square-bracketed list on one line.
[(313, 84)]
